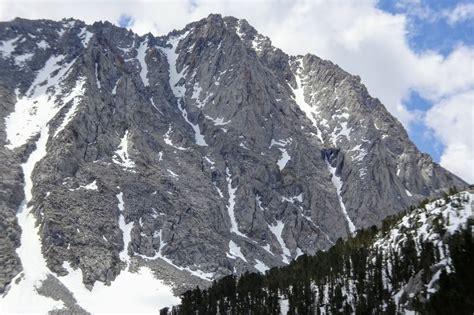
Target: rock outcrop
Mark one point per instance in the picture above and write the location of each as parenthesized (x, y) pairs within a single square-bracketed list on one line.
[(204, 152)]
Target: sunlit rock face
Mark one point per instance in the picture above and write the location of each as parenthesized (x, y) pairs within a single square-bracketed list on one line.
[(190, 156)]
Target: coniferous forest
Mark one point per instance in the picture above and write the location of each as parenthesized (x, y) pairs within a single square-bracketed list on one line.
[(420, 260)]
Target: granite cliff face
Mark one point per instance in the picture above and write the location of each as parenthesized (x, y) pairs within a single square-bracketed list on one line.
[(197, 154)]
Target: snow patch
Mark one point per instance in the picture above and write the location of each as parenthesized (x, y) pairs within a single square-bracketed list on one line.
[(218, 190), (260, 266), (235, 251), (238, 30), (299, 252), (292, 199), (234, 228), (197, 90), (85, 36), (168, 141), (341, 131), (97, 76), (114, 90), (267, 248), (141, 54), (310, 111), (42, 44), (343, 115), (126, 230), (243, 146), (127, 50), (22, 59), (178, 90), (209, 160), (34, 110), (285, 158), (277, 230), (258, 200), (284, 306), (23, 296), (121, 156), (120, 297), (280, 143), (75, 96), (337, 182), (360, 153), (7, 47), (173, 174), (154, 105), (219, 121), (257, 43), (90, 186)]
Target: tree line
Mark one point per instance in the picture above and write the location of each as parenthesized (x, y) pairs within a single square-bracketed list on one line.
[(354, 276)]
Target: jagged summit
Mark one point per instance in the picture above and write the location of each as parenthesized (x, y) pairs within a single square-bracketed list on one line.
[(195, 155)]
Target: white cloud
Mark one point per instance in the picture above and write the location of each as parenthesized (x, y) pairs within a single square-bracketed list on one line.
[(452, 121), (462, 12), (438, 77), (354, 34), (422, 10), (458, 158), (417, 8)]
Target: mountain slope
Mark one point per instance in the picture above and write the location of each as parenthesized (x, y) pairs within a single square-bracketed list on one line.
[(195, 155), (419, 261)]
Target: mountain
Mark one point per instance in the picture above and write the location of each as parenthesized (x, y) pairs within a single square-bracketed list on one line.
[(168, 162), (419, 261)]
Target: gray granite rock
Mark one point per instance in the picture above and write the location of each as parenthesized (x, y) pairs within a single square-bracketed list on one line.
[(234, 150), (11, 196)]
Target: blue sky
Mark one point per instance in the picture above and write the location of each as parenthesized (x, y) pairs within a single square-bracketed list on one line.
[(429, 30), (422, 135), (125, 20)]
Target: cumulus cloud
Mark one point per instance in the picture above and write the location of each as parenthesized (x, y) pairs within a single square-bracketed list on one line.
[(355, 34), (452, 121), (458, 158), (439, 76), (462, 12), (417, 8), (421, 9)]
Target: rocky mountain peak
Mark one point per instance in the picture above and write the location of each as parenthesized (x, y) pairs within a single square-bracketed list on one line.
[(197, 154)]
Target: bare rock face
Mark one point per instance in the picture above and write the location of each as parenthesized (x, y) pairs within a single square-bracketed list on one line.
[(207, 151), (11, 195)]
